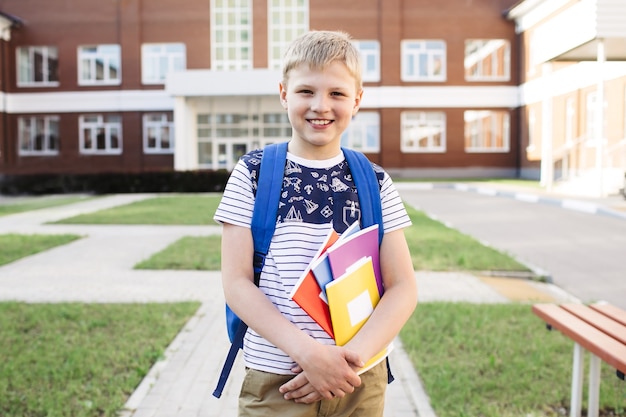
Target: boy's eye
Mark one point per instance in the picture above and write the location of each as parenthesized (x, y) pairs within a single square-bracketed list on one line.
[(337, 93), (306, 92)]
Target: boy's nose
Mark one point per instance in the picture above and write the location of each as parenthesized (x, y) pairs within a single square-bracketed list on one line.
[(320, 104)]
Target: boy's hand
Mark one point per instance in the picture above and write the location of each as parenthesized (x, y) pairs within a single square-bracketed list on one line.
[(331, 373)]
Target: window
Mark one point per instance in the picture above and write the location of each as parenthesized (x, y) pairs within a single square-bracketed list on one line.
[(487, 60), (363, 134), (423, 132), (370, 56), (224, 137), (37, 66), (288, 19), (231, 34), (486, 131), (157, 60), (100, 134), (38, 135), (99, 64), (423, 60), (158, 133)]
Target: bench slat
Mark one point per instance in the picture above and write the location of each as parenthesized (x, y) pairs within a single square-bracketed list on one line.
[(598, 320), (605, 347), (611, 311)]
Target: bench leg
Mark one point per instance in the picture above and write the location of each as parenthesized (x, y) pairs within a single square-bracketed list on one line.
[(594, 386), (577, 381)]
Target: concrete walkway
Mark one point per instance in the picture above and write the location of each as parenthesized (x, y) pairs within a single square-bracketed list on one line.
[(98, 269)]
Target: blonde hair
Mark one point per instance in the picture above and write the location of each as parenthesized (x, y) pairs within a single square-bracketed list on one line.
[(318, 49)]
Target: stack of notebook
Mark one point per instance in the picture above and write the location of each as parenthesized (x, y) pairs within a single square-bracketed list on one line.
[(343, 284)]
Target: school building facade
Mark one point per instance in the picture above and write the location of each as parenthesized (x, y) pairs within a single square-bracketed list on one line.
[(451, 89)]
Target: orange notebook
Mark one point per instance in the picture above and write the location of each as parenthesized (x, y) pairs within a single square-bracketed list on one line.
[(308, 294)]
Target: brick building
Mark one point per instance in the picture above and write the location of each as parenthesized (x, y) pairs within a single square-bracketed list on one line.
[(139, 86)]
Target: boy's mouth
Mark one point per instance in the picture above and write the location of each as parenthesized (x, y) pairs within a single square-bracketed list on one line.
[(320, 122)]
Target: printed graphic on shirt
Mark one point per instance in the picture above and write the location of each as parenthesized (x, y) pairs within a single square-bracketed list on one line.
[(315, 195)]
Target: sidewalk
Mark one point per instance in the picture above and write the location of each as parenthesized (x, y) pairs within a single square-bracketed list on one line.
[(98, 268)]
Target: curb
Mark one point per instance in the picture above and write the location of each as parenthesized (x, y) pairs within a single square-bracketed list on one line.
[(529, 197), (526, 196)]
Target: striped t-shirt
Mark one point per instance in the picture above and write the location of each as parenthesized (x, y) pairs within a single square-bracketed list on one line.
[(316, 195)]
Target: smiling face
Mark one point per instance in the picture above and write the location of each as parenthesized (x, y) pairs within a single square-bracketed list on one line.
[(320, 104)]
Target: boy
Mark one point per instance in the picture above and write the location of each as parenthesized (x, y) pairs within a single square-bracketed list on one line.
[(293, 367)]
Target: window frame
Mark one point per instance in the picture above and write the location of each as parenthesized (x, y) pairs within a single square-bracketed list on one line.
[(233, 22), (423, 120), (357, 134), (487, 51), (286, 20), (30, 66), (32, 131), (174, 60), (369, 74), (93, 57), (167, 121), (108, 125), (473, 131), (413, 50), (221, 135)]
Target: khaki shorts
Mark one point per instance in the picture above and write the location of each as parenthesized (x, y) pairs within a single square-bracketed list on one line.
[(260, 397)]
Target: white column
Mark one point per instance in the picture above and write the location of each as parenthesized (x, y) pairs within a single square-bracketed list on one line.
[(599, 131), (186, 141), (547, 164)]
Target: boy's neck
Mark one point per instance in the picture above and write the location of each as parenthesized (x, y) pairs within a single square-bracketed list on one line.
[(313, 152)]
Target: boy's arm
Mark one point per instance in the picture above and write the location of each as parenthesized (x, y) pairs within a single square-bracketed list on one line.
[(397, 303), (392, 311), (326, 367)]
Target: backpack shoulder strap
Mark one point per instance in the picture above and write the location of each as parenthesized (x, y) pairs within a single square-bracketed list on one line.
[(269, 185), (368, 189)]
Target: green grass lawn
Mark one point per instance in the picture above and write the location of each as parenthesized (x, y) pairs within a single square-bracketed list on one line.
[(497, 361), (80, 360), (20, 205), (180, 209), (16, 246), (434, 246)]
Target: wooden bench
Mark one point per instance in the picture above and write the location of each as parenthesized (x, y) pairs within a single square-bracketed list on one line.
[(599, 329)]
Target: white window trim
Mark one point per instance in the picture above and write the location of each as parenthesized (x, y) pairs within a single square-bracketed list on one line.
[(18, 61), (92, 57), (430, 77), (423, 122), (32, 120), (356, 134), (94, 126), (286, 32), (157, 125), (490, 49), (374, 74), (236, 63), (506, 135), (253, 139), (171, 57)]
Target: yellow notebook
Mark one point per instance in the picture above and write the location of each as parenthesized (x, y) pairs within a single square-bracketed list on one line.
[(352, 298)]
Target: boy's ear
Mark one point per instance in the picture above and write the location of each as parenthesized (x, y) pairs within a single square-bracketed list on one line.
[(282, 95), (357, 102)]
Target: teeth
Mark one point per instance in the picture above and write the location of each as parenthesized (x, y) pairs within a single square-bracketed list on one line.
[(320, 122)]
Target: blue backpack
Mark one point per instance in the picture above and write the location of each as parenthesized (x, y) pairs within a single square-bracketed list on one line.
[(270, 180)]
